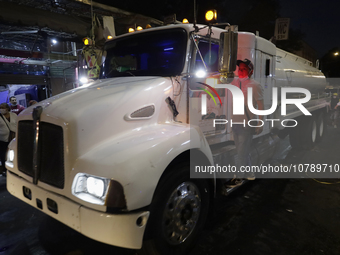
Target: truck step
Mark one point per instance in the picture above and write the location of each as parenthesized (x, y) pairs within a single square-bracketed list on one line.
[(226, 191)]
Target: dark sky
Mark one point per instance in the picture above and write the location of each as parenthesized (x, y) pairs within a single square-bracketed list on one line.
[(318, 20)]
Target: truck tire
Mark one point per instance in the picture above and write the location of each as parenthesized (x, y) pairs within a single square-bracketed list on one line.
[(177, 214), (321, 127), (309, 132)]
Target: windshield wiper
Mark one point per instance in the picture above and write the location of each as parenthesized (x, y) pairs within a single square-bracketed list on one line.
[(119, 74), (129, 73)]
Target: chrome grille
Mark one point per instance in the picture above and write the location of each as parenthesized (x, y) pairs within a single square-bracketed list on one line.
[(50, 152)]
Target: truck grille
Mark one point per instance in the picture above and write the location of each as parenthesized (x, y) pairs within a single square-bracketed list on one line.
[(50, 152)]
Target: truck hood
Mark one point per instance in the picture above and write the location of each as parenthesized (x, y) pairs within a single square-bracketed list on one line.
[(98, 112)]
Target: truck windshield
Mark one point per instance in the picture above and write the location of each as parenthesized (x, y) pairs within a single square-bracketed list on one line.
[(156, 53)]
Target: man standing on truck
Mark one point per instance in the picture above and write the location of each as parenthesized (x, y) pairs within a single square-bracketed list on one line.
[(242, 133)]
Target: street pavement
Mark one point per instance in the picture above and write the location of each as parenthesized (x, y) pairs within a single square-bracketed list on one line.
[(266, 216)]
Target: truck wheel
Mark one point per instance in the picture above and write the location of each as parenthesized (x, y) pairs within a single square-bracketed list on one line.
[(178, 213), (309, 132), (321, 127)]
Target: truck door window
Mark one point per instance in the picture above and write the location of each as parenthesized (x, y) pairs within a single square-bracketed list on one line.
[(267, 67), (210, 57)]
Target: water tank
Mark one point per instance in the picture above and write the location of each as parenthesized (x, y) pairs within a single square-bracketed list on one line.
[(294, 71)]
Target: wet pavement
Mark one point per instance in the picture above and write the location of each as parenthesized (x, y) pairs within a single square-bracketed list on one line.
[(265, 216)]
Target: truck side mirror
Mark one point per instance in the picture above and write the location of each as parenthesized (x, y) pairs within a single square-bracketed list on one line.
[(228, 54)]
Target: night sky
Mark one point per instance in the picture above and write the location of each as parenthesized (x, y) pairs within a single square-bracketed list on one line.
[(318, 20)]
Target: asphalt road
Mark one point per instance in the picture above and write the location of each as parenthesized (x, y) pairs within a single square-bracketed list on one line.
[(265, 216)]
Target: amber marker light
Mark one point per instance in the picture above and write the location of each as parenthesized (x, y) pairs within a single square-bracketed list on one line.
[(131, 30), (139, 28), (211, 15), (87, 41), (185, 21)]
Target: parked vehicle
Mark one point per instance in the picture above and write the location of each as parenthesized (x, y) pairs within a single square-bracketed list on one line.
[(111, 159)]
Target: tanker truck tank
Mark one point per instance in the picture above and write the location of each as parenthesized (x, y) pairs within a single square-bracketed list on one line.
[(294, 71)]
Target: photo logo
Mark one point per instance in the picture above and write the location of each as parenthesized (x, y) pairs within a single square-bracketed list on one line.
[(204, 97), (238, 100), (238, 104)]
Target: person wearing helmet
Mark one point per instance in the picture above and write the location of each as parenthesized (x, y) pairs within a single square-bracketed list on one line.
[(242, 133)]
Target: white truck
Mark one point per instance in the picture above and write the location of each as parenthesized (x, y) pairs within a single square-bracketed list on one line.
[(111, 159)]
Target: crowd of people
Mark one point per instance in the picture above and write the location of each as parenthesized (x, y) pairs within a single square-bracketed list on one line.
[(8, 123)]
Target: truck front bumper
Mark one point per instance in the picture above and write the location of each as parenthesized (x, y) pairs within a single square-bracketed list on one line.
[(123, 230)]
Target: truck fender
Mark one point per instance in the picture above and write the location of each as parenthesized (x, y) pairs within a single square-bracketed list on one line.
[(138, 159)]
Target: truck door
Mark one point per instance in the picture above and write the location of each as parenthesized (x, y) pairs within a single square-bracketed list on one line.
[(204, 69)]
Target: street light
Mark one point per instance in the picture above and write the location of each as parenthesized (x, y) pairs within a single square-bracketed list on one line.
[(330, 64)]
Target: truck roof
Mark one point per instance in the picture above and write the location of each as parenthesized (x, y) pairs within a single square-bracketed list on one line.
[(246, 40)]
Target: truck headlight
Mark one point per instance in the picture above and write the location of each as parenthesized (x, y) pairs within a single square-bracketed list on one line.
[(95, 186), (98, 190), (10, 158), (10, 155), (90, 188)]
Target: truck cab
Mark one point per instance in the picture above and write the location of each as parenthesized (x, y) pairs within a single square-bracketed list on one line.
[(112, 158)]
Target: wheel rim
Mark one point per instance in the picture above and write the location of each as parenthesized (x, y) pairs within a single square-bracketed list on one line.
[(314, 131), (181, 213), (321, 127)]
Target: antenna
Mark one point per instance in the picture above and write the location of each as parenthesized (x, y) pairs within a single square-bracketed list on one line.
[(194, 12), (92, 21), (195, 21)]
